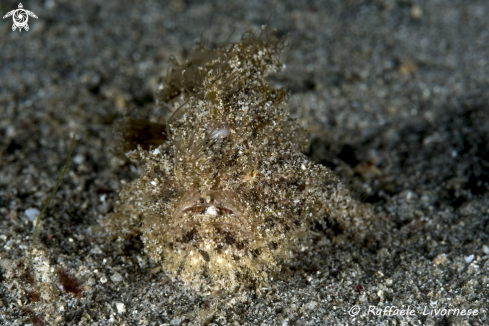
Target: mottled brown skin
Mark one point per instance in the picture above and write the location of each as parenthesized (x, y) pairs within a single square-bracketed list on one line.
[(230, 195)]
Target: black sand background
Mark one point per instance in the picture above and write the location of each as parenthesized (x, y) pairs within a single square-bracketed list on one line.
[(394, 93)]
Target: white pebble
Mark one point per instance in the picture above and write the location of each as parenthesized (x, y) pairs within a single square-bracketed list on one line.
[(120, 307), (79, 159), (103, 279), (485, 249), (156, 152), (409, 194), (32, 214), (116, 277), (469, 259), (10, 132)]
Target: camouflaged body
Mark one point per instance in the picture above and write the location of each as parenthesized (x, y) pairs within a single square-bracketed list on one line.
[(230, 194)]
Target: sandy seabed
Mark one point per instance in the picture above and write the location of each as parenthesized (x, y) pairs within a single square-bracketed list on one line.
[(394, 95)]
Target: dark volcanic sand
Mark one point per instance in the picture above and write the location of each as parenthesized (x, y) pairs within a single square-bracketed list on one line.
[(395, 95)]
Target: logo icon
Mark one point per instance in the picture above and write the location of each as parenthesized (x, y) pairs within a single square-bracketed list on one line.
[(20, 17)]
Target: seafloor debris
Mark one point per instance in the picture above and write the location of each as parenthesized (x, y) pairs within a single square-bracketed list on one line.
[(230, 193)]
